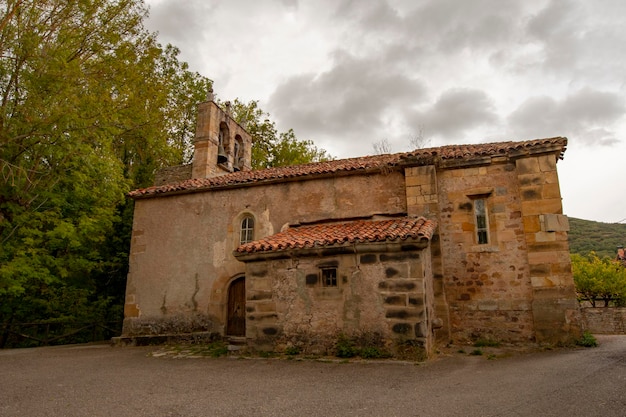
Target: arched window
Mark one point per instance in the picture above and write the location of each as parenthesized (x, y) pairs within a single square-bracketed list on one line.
[(223, 145), (238, 156), (247, 230)]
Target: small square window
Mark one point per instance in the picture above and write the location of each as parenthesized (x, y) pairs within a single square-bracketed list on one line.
[(329, 277)]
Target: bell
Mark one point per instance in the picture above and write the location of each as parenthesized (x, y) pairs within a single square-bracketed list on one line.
[(239, 165), (222, 158)]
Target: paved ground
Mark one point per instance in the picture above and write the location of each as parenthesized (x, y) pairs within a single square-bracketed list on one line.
[(100, 380)]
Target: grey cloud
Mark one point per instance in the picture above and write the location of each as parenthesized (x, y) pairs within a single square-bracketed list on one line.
[(369, 15), (585, 115), (559, 28), (551, 20), (455, 113), (583, 40), (450, 25), (354, 96), (436, 26), (178, 24), (290, 4)]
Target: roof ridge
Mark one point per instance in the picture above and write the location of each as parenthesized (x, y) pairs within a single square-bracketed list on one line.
[(345, 165)]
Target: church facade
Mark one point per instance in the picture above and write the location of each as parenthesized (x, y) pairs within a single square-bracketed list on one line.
[(447, 244)]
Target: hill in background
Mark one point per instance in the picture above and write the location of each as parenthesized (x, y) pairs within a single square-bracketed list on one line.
[(603, 238)]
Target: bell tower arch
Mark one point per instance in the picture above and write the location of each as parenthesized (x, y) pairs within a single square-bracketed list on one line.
[(221, 145)]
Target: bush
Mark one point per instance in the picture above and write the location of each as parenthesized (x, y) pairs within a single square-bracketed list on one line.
[(345, 348), (587, 340), (486, 343), (292, 350)]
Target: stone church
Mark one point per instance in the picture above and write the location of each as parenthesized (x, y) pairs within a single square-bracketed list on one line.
[(446, 244)]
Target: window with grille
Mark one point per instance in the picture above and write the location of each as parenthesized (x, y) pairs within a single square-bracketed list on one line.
[(247, 230), (329, 277)]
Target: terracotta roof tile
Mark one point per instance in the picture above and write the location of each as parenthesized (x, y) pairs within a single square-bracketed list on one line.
[(325, 235), (351, 164), (489, 149)]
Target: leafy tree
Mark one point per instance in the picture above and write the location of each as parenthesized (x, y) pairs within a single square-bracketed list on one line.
[(270, 148), (90, 106), (599, 279), (288, 150)]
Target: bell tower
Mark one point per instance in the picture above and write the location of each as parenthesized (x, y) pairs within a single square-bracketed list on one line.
[(221, 145)]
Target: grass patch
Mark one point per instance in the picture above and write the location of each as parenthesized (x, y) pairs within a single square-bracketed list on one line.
[(213, 349), (486, 343), (587, 340), (292, 351), (373, 352), (476, 352)]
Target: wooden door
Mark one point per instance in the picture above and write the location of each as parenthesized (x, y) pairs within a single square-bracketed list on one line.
[(236, 325)]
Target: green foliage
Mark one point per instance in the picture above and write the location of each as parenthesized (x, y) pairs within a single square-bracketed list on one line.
[(587, 340), (270, 148), (486, 343), (292, 350), (217, 349), (373, 352), (599, 279), (602, 238), (345, 347), (366, 345), (90, 107), (476, 352)]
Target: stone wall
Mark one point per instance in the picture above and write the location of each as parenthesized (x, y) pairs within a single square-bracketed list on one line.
[(171, 175), (423, 200), (386, 294), (604, 320), (518, 287), (487, 286), (181, 253), (555, 308)]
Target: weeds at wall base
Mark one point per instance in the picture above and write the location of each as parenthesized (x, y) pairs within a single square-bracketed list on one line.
[(587, 340)]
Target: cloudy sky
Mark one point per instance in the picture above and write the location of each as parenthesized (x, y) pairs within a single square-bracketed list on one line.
[(347, 74)]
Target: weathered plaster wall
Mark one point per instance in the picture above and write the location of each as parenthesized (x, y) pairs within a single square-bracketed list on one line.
[(181, 253), (388, 294)]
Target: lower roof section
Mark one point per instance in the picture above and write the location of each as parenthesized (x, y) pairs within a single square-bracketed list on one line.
[(341, 234)]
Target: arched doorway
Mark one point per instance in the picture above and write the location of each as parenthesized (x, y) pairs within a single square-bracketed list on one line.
[(236, 319)]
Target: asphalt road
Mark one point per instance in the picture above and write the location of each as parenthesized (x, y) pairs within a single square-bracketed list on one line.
[(98, 380)]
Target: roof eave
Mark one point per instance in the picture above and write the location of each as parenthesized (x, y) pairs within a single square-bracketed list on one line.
[(398, 245), (253, 183)]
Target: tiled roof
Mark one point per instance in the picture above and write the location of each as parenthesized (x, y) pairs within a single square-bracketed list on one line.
[(490, 149), (354, 164), (326, 235)]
